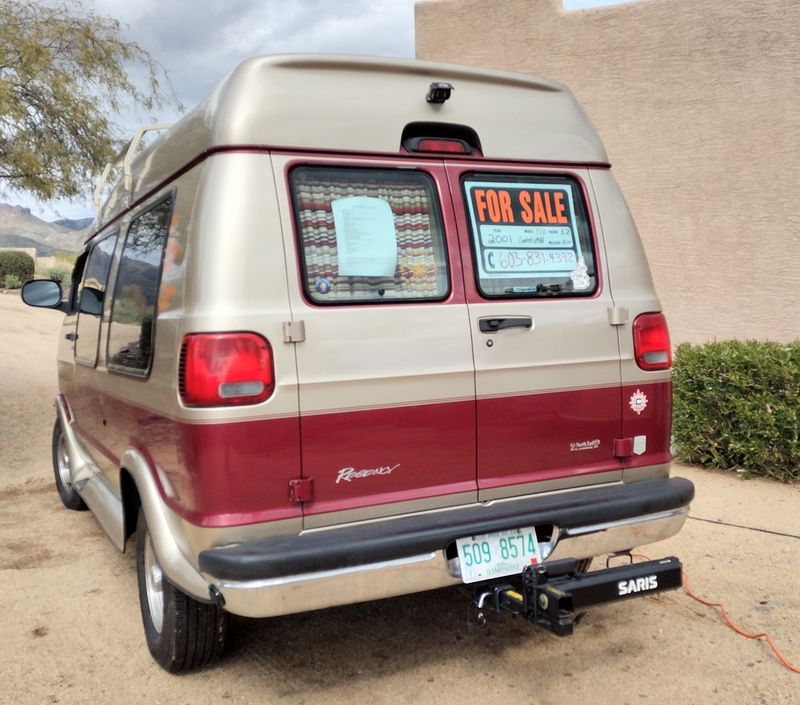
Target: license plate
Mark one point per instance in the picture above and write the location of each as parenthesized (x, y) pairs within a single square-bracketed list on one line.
[(497, 554)]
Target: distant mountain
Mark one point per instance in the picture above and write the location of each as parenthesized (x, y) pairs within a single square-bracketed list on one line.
[(21, 241), (81, 224), (17, 222)]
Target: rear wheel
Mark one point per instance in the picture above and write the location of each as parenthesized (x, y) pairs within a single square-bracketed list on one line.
[(61, 467), (182, 634)]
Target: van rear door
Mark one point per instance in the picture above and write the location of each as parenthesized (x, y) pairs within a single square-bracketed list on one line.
[(546, 353), (385, 370)]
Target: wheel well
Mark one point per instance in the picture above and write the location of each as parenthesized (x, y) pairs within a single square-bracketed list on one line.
[(130, 502)]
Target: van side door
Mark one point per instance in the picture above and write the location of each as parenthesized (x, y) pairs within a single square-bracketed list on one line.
[(385, 371), (546, 353), (86, 402)]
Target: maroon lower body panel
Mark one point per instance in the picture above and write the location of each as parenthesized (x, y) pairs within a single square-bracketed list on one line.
[(236, 473), (536, 437)]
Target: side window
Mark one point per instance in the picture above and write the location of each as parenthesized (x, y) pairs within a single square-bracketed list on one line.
[(369, 235), (91, 297), (75, 281), (130, 336), (95, 276), (530, 236)]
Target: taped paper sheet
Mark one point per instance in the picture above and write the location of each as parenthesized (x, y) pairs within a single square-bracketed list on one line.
[(366, 240)]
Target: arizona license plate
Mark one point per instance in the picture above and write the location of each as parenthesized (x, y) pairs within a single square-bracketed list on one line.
[(497, 554)]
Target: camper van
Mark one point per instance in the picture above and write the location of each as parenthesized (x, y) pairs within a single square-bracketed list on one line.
[(355, 328)]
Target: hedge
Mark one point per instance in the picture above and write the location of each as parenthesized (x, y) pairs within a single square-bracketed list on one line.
[(19, 264), (737, 405)]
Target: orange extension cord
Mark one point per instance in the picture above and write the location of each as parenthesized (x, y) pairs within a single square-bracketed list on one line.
[(729, 621)]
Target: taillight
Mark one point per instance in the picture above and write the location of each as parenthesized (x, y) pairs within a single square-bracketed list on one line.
[(223, 369), (651, 345)]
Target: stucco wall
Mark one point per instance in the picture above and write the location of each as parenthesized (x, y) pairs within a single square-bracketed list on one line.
[(698, 102)]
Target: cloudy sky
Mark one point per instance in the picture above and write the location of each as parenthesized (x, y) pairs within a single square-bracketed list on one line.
[(199, 41)]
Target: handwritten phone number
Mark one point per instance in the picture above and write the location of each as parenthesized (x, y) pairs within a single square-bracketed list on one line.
[(528, 260)]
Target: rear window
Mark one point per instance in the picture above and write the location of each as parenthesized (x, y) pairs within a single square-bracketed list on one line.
[(369, 235), (530, 236)]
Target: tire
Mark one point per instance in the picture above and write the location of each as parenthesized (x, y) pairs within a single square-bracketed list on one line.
[(61, 466), (182, 634)]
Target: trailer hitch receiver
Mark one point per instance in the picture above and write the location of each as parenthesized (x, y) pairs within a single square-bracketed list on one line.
[(551, 593)]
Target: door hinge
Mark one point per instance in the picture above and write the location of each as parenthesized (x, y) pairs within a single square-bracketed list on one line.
[(617, 315), (301, 490), (623, 447), (294, 331)]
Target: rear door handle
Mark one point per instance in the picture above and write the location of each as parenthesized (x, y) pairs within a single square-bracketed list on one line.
[(492, 325), (71, 336)]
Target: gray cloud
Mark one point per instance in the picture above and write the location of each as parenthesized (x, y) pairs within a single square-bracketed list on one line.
[(199, 41)]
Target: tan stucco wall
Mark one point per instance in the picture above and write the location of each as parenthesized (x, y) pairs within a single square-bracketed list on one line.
[(698, 102)]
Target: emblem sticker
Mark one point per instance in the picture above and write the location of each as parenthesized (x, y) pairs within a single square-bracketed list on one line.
[(638, 401), (323, 286), (577, 446), (580, 276)]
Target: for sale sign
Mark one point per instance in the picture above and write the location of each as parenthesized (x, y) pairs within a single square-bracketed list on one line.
[(524, 229)]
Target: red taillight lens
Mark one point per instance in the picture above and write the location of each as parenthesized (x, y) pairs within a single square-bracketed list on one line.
[(651, 344), (223, 369)]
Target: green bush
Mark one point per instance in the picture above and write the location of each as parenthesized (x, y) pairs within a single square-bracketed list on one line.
[(12, 281), (19, 264), (737, 405), (60, 274)]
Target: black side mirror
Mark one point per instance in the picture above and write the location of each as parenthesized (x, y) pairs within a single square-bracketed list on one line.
[(42, 293), (91, 301)]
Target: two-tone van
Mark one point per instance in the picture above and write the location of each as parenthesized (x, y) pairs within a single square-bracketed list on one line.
[(355, 328)]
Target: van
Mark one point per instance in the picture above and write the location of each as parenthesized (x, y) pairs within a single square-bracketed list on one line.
[(355, 328)]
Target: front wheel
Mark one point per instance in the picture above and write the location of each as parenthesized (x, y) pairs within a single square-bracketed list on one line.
[(182, 634), (61, 467)]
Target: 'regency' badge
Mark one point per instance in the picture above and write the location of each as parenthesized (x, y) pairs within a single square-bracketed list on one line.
[(638, 401), (323, 286)]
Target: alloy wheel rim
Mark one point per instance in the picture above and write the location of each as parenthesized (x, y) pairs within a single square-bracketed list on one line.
[(154, 585), (62, 460)]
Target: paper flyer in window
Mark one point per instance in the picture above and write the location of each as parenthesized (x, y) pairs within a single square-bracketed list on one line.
[(366, 240)]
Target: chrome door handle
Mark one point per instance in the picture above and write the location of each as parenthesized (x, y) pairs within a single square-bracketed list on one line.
[(494, 324)]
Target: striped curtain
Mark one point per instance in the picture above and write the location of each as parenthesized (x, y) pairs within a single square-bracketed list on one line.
[(421, 266)]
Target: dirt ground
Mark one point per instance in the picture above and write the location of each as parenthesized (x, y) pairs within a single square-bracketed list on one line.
[(71, 630)]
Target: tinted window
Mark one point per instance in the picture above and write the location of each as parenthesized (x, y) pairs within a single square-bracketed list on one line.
[(369, 235), (97, 268), (130, 337), (530, 236), (91, 298)]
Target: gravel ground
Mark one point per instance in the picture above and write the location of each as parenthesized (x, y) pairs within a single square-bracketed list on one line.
[(71, 631)]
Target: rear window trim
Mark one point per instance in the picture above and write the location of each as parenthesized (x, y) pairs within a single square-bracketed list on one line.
[(500, 175), (431, 187)]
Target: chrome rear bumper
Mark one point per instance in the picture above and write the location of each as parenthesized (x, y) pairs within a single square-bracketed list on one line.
[(317, 590)]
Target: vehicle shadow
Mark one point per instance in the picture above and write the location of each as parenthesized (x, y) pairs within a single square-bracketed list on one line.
[(358, 643)]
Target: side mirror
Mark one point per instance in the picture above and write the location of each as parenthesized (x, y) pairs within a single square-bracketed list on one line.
[(91, 301), (42, 293)]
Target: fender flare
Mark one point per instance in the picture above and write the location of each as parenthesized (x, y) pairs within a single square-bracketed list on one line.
[(164, 527)]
